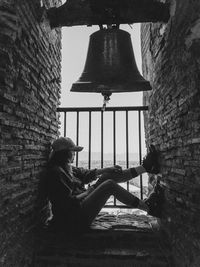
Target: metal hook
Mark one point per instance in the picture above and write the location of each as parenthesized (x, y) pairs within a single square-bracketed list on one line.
[(106, 99)]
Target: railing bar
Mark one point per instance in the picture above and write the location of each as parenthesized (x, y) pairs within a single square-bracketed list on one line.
[(114, 143), (77, 135), (102, 112), (90, 131), (114, 109), (140, 152), (75, 109), (65, 123), (114, 137), (127, 146)]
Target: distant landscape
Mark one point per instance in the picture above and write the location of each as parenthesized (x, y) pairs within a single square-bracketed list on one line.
[(83, 155)]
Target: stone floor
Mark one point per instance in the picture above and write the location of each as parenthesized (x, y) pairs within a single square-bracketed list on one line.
[(115, 240)]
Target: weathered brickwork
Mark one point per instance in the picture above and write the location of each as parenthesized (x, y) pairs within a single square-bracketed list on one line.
[(171, 60), (30, 67)]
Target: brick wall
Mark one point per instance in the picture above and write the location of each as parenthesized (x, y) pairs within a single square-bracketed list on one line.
[(171, 61), (30, 57)]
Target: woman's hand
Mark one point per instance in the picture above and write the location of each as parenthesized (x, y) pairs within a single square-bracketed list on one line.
[(109, 171), (86, 193), (113, 170)]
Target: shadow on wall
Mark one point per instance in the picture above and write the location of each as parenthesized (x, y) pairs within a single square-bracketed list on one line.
[(42, 207)]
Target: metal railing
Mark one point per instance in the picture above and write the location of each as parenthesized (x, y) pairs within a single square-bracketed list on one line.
[(114, 111)]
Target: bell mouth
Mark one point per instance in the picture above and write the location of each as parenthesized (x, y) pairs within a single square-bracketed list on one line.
[(93, 87)]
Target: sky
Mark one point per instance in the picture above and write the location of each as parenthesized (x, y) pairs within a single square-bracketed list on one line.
[(75, 41)]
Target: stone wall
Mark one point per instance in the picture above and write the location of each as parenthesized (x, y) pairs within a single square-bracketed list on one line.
[(30, 67), (171, 61)]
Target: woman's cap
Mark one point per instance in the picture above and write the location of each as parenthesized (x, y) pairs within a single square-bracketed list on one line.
[(65, 143)]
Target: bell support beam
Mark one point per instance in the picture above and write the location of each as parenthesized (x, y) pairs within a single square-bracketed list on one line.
[(98, 12)]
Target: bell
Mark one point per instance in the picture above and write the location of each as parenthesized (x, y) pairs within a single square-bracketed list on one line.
[(110, 65)]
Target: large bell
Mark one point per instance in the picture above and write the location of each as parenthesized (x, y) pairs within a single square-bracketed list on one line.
[(110, 65)]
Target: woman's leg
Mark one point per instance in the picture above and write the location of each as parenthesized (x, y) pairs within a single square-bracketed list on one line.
[(150, 164), (124, 176), (95, 201)]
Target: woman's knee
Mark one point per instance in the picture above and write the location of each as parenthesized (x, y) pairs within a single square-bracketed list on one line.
[(109, 183)]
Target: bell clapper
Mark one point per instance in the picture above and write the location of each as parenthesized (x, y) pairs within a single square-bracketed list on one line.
[(106, 99)]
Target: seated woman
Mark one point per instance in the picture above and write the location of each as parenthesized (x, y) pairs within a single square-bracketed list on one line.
[(73, 206)]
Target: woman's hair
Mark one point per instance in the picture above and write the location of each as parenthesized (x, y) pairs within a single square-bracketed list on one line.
[(60, 158)]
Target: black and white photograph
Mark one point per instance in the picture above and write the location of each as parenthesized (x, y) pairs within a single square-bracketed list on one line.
[(100, 133)]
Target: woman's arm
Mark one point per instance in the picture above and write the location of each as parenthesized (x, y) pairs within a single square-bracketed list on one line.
[(84, 194), (110, 170), (119, 177), (88, 176), (61, 188)]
